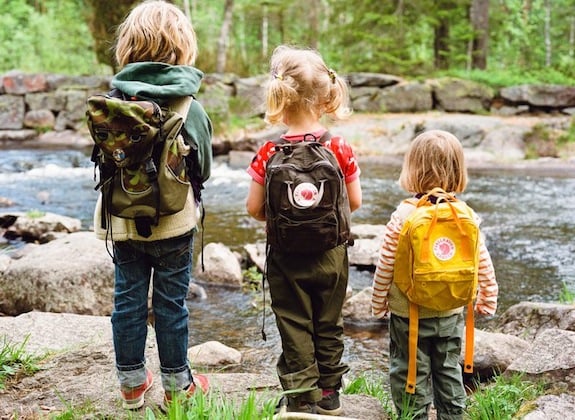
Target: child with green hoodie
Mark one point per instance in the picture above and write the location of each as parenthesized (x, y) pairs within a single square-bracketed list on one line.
[(155, 50)]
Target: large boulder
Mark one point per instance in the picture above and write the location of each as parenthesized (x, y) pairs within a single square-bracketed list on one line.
[(220, 266), (458, 95), (494, 352), (71, 274), (549, 358), (529, 319)]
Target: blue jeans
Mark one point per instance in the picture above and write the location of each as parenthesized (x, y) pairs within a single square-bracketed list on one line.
[(168, 264)]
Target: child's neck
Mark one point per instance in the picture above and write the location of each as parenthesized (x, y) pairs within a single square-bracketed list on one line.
[(302, 124)]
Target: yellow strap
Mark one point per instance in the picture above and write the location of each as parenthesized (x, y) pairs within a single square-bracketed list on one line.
[(469, 339), (442, 197), (412, 348)]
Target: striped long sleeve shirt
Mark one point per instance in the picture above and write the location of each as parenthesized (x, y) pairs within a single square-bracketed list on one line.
[(387, 297)]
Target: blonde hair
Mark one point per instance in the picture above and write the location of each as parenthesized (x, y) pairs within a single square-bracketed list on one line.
[(302, 83), (156, 31), (435, 159)]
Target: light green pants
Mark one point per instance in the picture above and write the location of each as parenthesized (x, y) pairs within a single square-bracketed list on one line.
[(439, 376), (308, 292)]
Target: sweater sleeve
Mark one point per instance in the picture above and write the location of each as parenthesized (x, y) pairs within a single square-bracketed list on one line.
[(199, 128), (383, 275), (486, 303)]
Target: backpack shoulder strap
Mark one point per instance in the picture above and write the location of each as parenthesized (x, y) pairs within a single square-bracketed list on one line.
[(181, 105), (325, 137), (116, 93)]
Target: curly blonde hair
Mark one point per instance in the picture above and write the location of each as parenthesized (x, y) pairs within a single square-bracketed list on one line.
[(435, 159), (157, 31), (302, 83)]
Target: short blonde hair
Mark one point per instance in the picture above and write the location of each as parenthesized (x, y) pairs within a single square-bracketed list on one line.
[(435, 159), (156, 31), (301, 82)]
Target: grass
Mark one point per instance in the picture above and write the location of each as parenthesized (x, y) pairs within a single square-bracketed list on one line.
[(14, 361), (566, 295), (500, 78), (200, 407), (498, 400), (502, 398)]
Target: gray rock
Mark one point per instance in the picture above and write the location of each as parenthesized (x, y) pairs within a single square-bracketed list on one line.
[(358, 307), (552, 407), (80, 370), (540, 95), (494, 352), (71, 274), (457, 95), (528, 319), (214, 353), (221, 266), (407, 97), (550, 357)]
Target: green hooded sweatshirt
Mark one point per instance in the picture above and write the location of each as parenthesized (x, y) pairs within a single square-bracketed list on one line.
[(161, 82)]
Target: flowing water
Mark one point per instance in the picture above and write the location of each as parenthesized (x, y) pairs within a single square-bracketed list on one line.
[(528, 220)]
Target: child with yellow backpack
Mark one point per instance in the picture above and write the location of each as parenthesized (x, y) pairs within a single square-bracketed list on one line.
[(433, 264)]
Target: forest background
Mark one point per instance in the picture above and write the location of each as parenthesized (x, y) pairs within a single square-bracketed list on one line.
[(497, 42)]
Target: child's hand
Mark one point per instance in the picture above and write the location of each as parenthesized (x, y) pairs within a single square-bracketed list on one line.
[(482, 310)]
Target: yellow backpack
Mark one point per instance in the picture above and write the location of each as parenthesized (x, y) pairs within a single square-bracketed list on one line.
[(436, 266)]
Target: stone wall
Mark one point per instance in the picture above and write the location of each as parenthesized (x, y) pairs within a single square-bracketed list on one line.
[(31, 104)]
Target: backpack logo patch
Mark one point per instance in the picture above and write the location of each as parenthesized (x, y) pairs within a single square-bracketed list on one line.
[(444, 249), (305, 195)]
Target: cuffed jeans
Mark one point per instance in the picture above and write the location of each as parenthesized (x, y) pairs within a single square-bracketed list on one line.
[(168, 264), (308, 292), (439, 378)]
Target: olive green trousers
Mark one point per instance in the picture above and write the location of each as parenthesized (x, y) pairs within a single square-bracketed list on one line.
[(439, 376), (307, 294)]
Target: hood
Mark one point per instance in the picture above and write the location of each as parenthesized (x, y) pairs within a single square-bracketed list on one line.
[(157, 81)]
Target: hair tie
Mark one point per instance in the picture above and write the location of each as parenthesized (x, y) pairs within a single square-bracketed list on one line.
[(332, 75), (277, 76)]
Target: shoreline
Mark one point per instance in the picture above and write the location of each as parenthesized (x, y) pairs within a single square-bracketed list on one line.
[(557, 167), (477, 159)]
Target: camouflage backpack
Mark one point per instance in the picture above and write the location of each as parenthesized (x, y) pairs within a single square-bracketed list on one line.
[(142, 157)]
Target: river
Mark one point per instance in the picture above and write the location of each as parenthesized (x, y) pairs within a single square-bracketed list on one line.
[(528, 220)]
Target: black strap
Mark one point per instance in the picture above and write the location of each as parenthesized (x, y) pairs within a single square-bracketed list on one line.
[(144, 226), (324, 138), (264, 278)]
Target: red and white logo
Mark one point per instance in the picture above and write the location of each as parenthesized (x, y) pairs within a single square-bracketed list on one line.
[(443, 249), (305, 195)]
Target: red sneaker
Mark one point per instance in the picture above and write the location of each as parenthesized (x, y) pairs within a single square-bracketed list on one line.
[(198, 381), (133, 398)]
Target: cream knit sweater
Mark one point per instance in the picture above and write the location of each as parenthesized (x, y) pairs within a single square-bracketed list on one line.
[(168, 227)]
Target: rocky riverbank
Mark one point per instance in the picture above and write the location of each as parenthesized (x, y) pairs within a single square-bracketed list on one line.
[(66, 305), (535, 339)]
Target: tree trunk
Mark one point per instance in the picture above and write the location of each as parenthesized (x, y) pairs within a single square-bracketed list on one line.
[(186, 8), (103, 18), (441, 44), (265, 25), (548, 33), (479, 17), (571, 36), (314, 31), (224, 37)]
